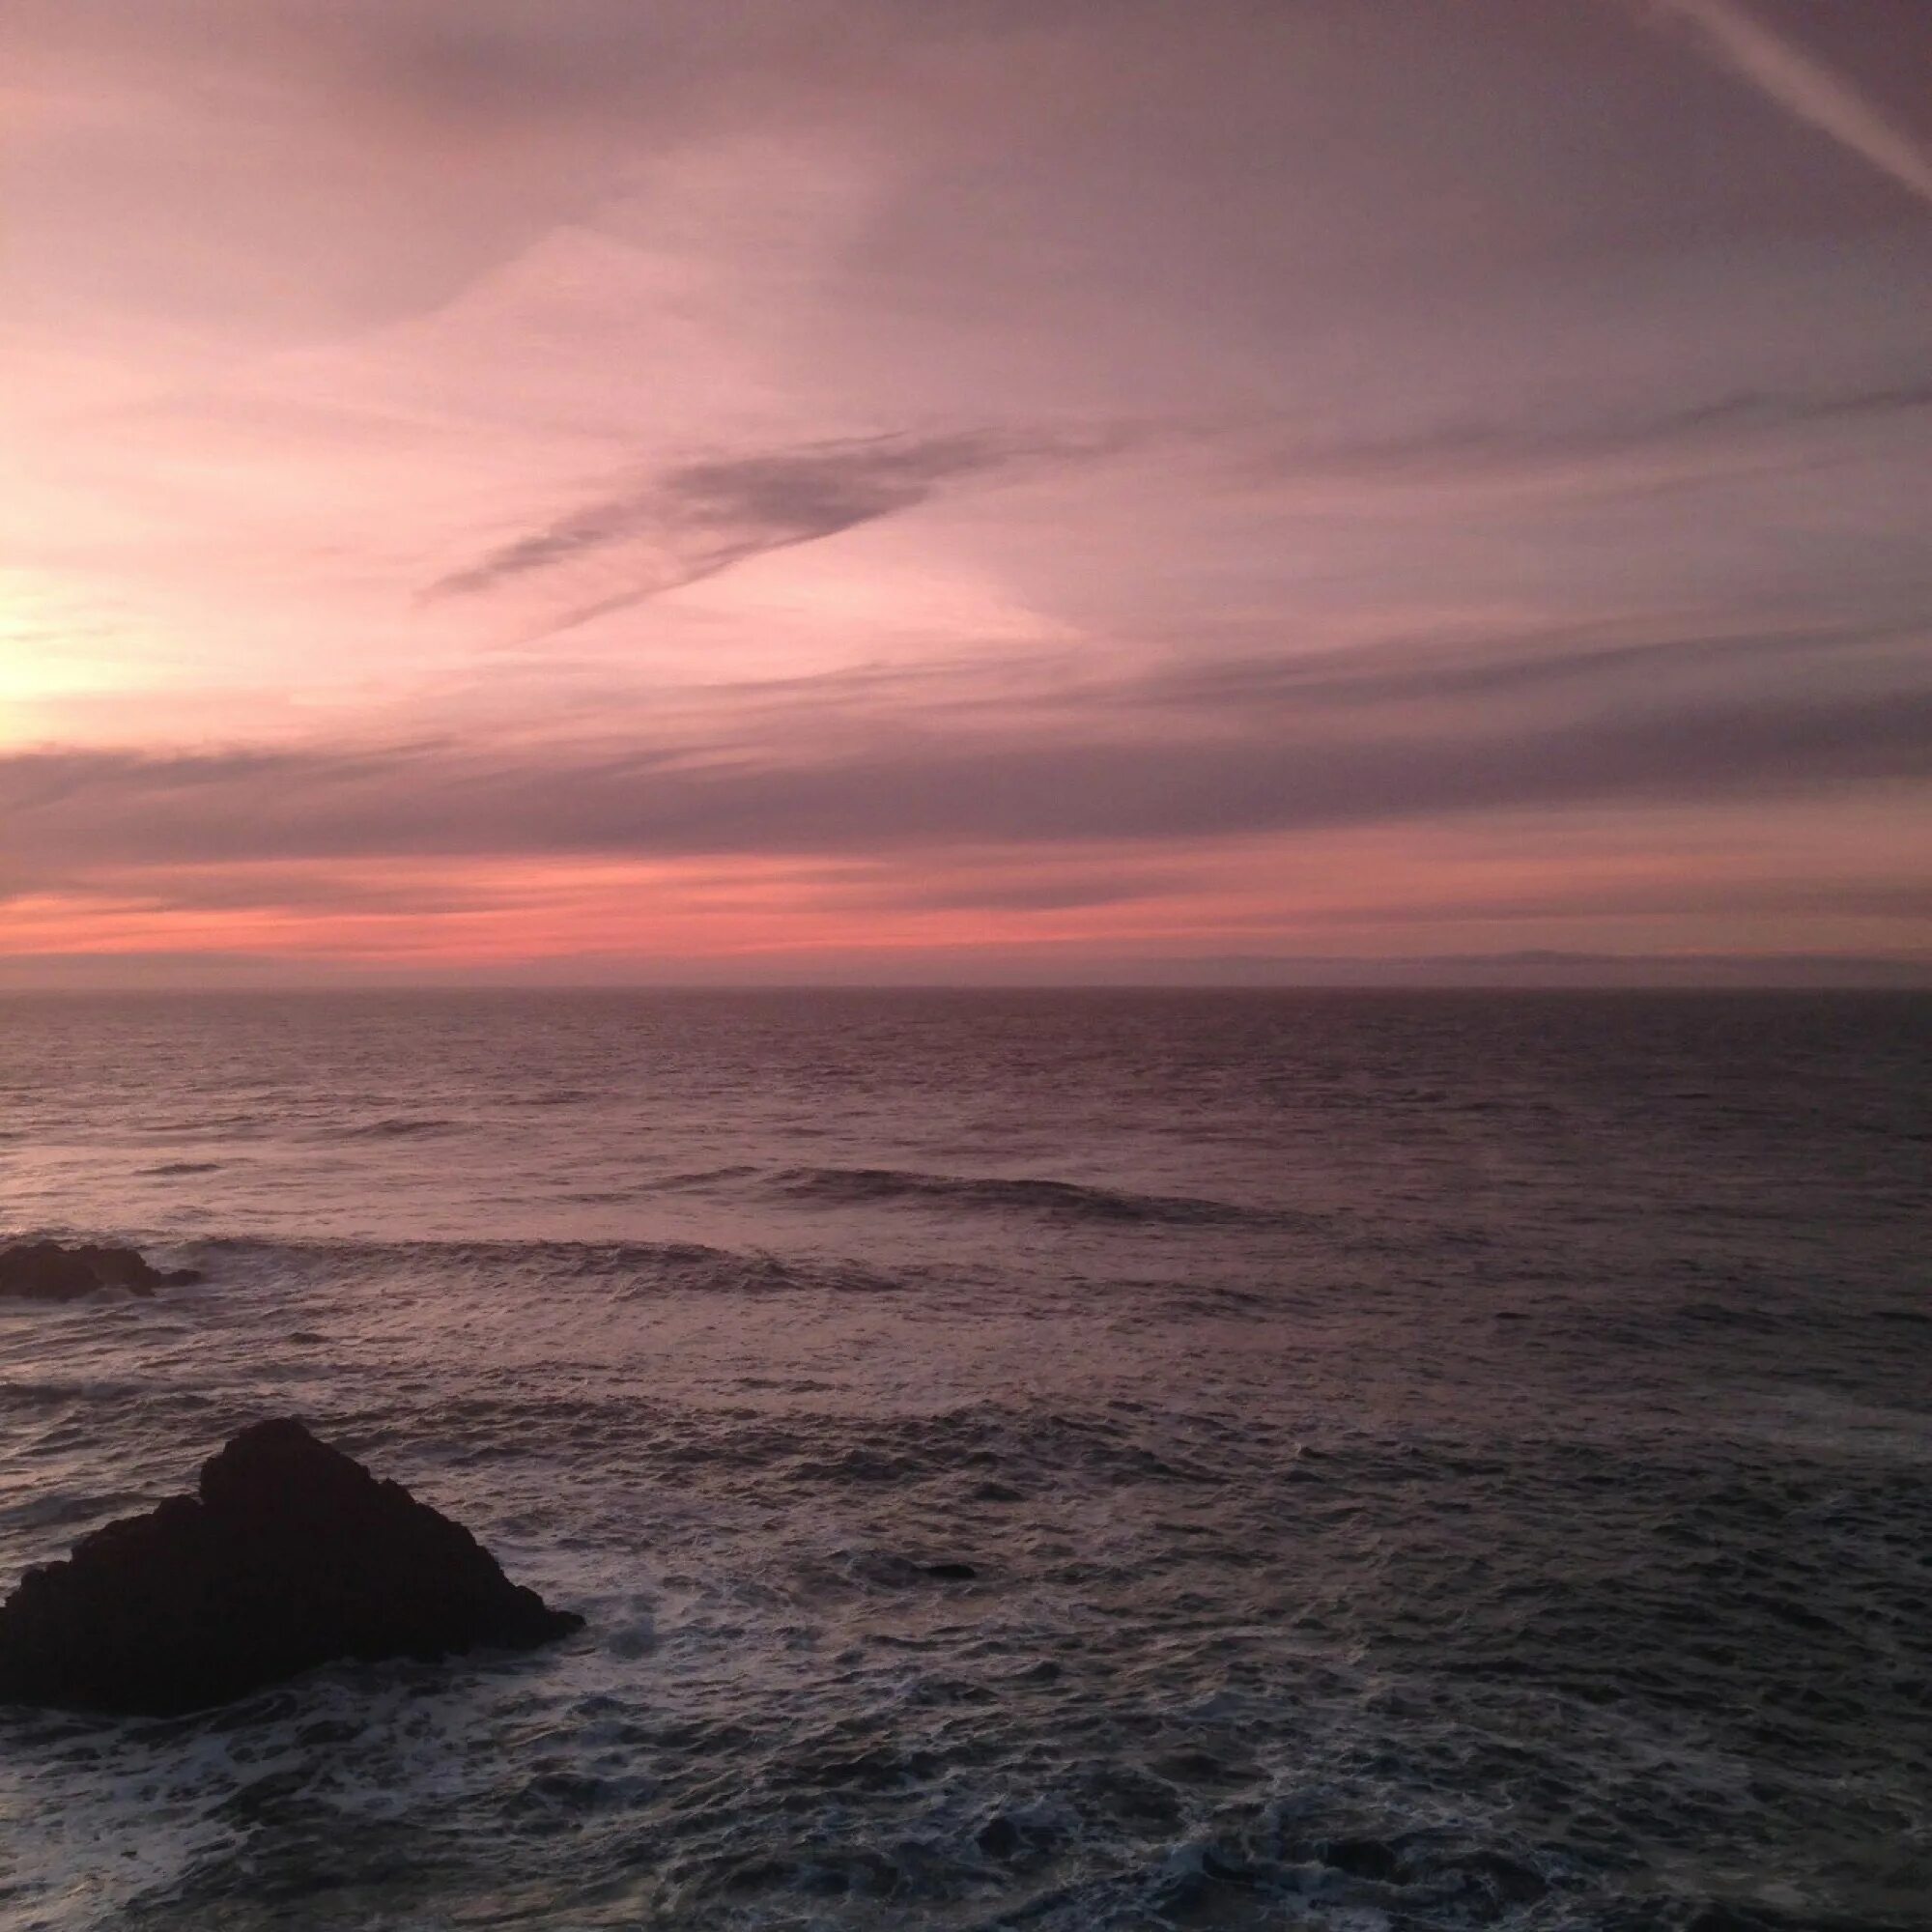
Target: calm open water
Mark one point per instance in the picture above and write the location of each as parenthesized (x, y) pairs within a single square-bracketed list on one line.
[(1426, 1461)]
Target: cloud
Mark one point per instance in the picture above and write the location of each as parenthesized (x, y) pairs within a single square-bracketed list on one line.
[(1057, 890), (1581, 668), (700, 518), (1592, 897), (1805, 87), (1555, 435), (697, 518), (1163, 754)]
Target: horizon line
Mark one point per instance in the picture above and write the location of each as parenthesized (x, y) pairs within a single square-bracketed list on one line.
[(1899, 980)]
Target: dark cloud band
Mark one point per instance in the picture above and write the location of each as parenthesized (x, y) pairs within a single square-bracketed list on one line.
[(1152, 763)]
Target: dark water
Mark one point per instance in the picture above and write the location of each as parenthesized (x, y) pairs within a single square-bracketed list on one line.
[(1424, 1461)]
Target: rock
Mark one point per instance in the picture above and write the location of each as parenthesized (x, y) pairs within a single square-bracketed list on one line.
[(291, 1555), (46, 1271)]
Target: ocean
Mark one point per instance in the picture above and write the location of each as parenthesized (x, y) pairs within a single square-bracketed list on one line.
[(1391, 1461)]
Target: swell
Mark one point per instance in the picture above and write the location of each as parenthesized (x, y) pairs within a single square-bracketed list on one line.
[(1052, 1200), (399, 1126), (573, 1257), (630, 1268)]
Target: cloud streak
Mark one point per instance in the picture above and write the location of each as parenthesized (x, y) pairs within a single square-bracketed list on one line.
[(698, 518), (1807, 89), (1187, 755), (1558, 438)]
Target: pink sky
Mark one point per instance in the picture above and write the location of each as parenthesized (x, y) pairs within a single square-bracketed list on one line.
[(832, 489)]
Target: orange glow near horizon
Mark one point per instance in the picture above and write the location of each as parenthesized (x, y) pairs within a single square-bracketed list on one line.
[(1332, 897)]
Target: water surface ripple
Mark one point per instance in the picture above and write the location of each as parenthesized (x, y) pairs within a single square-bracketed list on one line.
[(1364, 1462)]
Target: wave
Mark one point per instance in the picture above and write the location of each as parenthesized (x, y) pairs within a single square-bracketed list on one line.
[(1055, 1199), (394, 1129), (174, 1167), (699, 1180), (351, 1251), (632, 1268)]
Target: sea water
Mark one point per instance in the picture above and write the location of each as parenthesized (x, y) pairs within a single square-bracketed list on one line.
[(1063, 1460)]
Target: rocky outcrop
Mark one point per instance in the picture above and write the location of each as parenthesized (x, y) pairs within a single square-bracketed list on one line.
[(290, 1554), (46, 1271)]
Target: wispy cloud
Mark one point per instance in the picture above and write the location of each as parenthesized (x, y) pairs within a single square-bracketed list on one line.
[(700, 518), (1804, 87), (1559, 437), (1202, 751)]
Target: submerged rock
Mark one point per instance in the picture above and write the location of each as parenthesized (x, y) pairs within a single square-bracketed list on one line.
[(291, 1555), (46, 1271)]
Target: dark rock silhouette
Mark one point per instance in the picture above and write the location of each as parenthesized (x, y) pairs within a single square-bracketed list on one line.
[(291, 1555), (46, 1271)]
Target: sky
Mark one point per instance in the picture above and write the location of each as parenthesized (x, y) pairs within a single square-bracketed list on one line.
[(965, 491)]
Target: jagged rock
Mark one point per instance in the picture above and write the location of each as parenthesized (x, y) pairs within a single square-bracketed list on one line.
[(46, 1271), (291, 1555)]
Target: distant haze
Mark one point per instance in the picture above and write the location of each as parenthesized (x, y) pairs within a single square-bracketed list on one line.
[(820, 490)]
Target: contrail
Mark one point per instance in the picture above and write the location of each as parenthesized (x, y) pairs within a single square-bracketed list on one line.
[(1805, 88)]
